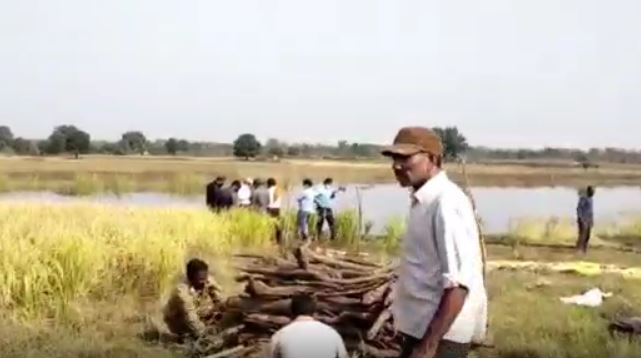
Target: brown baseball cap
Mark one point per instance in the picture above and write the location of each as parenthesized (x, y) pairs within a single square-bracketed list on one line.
[(412, 140)]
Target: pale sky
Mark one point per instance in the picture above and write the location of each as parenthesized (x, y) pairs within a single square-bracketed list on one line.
[(508, 73)]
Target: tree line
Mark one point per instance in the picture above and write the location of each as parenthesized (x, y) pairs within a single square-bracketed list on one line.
[(69, 139)]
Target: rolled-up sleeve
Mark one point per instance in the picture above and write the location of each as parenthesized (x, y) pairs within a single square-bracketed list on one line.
[(457, 245)]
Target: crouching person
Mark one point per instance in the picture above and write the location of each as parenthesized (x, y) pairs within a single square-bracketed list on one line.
[(193, 302), (305, 336)]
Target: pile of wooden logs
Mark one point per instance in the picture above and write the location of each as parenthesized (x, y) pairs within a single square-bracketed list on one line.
[(353, 296)]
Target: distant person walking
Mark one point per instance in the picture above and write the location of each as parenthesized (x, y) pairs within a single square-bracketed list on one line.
[(260, 195), (305, 337), (245, 193), (585, 218), (325, 208), (305, 208), (440, 301), (273, 208)]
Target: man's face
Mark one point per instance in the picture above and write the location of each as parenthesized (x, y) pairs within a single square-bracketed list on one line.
[(412, 170), (200, 279)]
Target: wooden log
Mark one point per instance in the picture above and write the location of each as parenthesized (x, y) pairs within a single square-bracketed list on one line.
[(354, 292), (280, 307), (289, 274), (350, 274), (377, 295), (302, 260), (370, 351), (319, 284), (248, 338), (340, 301), (390, 296), (331, 262), (245, 277), (362, 262), (232, 352), (259, 289), (264, 320), (378, 324), (363, 280)]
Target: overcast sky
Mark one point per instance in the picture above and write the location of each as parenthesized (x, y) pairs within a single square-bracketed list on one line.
[(508, 73)]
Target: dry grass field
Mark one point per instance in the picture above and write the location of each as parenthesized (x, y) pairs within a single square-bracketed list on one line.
[(184, 175)]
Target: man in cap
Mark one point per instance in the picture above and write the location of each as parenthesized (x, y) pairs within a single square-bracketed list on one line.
[(440, 303)]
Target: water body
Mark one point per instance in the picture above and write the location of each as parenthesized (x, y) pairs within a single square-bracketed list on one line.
[(498, 207)]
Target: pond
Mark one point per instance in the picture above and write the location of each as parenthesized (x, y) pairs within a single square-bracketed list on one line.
[(498, 207)]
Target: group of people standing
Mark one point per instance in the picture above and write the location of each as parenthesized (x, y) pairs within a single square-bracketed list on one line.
[(320, 201), (257, 193), (267, 197)]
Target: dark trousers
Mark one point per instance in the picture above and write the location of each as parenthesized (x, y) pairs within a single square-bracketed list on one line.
[(585, 230), (326, 214), (446, 349)]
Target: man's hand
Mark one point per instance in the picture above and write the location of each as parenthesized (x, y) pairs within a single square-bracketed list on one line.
[(425, 350)]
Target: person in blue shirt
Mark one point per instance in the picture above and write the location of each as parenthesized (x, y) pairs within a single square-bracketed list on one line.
[(585, 219), (306, 207), (324, 199)]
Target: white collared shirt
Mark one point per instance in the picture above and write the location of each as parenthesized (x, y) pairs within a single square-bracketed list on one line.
[(307, 338), (440, 250), (244, 195)]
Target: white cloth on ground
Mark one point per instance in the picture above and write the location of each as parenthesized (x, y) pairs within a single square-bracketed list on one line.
[(592, 298)]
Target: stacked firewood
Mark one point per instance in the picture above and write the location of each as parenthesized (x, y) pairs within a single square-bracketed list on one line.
[(353, 295)]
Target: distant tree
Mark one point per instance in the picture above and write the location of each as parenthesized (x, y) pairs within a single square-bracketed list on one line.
[(454, 143), (183, 145), (275, 148), (293, 151), (70, 139), (6, 138), (134, 141), (172, 146), (25, 147), (246, 146), (343, 148), (361, 150), (108, 148), (43, 146)]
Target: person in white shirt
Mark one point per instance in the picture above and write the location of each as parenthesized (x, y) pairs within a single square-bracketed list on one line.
[(245, 193), (440, 302), (305, 337), (273, 209), (306, 207)]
